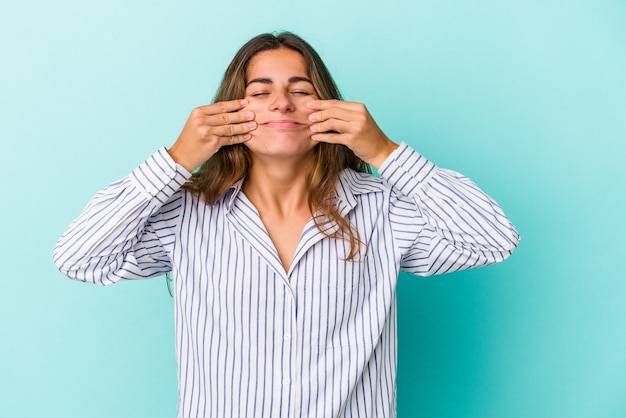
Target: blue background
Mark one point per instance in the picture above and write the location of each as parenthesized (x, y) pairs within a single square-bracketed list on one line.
[(526, 98)]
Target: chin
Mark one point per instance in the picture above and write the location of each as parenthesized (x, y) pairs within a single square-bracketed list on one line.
[(280, 146)]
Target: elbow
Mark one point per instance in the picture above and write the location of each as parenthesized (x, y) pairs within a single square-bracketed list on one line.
[(78, 269), (512, 242), (507, 247), (503, 254)]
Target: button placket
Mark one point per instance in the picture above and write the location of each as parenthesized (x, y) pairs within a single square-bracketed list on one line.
[(289, 347)]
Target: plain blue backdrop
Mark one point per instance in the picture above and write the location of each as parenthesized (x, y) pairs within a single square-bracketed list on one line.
[(526, 98)]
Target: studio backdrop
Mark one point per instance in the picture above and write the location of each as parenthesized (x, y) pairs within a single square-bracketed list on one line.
[(526, 98)]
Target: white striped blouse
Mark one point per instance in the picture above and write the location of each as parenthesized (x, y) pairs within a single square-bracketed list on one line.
[(253, 340)]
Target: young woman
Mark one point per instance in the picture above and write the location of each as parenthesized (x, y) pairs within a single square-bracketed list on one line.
[(284, 250)]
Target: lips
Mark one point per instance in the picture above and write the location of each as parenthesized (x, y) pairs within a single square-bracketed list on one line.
[(282, 124)]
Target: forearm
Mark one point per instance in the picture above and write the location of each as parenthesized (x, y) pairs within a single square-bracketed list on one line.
[(103, 244), (462, 226)]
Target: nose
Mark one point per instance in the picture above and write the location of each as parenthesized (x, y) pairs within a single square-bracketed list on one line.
[(282, 102)]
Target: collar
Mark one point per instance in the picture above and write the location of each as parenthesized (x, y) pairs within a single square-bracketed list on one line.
[(231, 194), (350, 184)]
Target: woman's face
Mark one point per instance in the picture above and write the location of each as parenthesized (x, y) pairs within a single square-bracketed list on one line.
[(278, 89)]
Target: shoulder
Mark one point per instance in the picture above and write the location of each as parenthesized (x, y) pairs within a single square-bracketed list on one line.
[(374, 194)]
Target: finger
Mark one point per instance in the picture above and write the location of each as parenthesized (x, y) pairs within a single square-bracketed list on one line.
[(233, 129), (235, 139), (339, 113), (336, 125), (330, 137), (223, 107), (229, 118), (323, 104), (327, 104)]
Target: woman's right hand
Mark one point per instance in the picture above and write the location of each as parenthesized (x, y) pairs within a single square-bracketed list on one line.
[(208, 129)]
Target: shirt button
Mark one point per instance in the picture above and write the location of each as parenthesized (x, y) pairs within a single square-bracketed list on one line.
[(287, 337), (287, 382), (113, 221), (169, 172), (150, 190)]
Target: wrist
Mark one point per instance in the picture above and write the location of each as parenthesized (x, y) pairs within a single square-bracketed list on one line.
[(383, 154), (179, 159)]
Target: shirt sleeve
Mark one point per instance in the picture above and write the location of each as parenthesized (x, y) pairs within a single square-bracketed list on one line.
[(441, 221), (122, 232)]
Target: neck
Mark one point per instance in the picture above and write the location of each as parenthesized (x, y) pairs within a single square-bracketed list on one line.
[(279, 185)]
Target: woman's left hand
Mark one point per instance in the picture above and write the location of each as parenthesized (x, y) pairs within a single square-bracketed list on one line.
[(350, 124)]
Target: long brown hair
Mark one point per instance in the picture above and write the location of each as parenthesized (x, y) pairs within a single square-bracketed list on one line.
[(232, 163)]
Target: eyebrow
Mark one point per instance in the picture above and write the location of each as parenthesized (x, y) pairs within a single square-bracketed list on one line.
[(291, 80)]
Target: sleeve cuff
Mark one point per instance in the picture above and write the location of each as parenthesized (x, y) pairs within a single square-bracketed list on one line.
[(407, 170), (159, 177)]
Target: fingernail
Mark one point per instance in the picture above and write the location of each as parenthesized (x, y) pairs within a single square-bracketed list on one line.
[(313, 117), (243, 102), (251, 125), (314, 137), (246, 137), (311, 104), (249, 115), (313, 128)]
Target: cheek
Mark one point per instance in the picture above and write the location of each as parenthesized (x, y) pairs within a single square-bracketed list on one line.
[(303, 109), (254, 106), (307, 110)]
